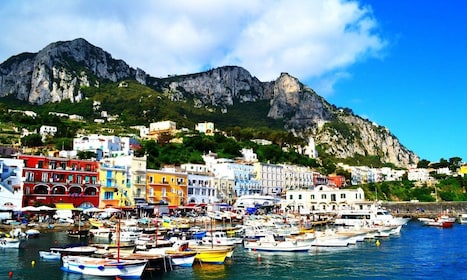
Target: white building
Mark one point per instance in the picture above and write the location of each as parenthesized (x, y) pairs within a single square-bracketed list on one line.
[(47, 130), (200, 190), (206, 128), (418, 174), (163, 126), (104, 146), (11, 185), (322, 199), (297, 177), (270, 177)]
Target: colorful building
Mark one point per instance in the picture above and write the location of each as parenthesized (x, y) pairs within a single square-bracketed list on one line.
[(167, 186), (115, 185), (54, 180)]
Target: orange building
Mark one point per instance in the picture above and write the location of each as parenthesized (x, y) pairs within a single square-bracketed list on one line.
[(166, 186)]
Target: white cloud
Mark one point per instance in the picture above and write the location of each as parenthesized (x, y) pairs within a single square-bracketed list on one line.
[(308, 39)]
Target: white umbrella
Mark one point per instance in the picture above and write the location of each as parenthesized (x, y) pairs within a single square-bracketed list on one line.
[(29, 208), (92, 210), (111, 210), (45, 208)]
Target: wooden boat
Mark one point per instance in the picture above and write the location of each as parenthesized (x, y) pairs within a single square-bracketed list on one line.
[(32, 233), (181, 258), (49, 255), (275, 243), (115, 267), (103, 267), (75, 250), (210, 254)]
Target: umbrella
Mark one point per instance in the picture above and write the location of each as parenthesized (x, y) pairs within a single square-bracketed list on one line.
[(92, 210), (111, 210), (45, 208), (29, 208)]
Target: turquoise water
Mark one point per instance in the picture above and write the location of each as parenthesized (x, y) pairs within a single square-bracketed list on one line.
[(418, 253)]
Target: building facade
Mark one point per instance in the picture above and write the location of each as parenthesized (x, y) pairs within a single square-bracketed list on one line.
[(166, 186), (51, 180)]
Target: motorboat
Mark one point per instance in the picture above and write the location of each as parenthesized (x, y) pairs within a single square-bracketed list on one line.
[(441, 221), (277, 243), (50, 255), (373, 216), (219, 238)]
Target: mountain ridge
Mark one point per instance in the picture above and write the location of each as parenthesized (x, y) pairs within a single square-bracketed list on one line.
[(61, 69)]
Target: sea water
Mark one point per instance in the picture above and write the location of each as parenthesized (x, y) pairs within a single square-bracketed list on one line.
[(419, 252)]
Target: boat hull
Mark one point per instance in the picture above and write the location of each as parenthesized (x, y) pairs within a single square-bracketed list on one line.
[(279, 246), (104, 267), (9, 243), (48, 255), (212, 255)]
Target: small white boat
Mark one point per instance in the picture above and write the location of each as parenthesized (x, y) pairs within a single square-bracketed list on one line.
[(329, 238), (49, 255), (8, 242), (32, 233), (104, 267), (441, 221), (274, 243), (75, 250), (462, 218)]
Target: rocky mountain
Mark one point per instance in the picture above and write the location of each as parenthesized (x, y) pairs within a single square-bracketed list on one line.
[(59, 71)]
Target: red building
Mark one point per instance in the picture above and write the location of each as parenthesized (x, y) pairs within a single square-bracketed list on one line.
[(51, 180), (336, 180)]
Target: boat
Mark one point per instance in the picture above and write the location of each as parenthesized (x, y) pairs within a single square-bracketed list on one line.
[(75, 250), (103, 267), (462, 218), (178, 253), (276, 243), (219, 238), (32, 233), (373, 216), (216, 255), (50, 255), (329, 238), (442, 221), (78, 232), (115, 267), (8, 242)]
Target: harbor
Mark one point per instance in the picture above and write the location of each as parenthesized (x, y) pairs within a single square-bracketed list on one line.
[(419, 252)]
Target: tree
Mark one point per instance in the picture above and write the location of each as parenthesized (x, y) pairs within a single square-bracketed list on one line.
[(423, 163), (32, 140)]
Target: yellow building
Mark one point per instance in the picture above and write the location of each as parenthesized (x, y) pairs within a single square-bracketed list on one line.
[(463, 170), (166, 185), (115, 186)]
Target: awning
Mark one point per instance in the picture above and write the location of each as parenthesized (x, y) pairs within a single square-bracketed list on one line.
[(64, 206)]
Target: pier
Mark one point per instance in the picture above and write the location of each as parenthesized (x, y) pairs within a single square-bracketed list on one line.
[(425, 209)]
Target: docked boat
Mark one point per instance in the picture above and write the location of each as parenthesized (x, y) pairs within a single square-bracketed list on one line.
[(442, 221), (219, 238), (8, 242), (75, 250), (373, 216), (329, 238), (50, 255), (32, 233), (104, 267), (178, 253), (462, 218), (78, 232), (211, 254), (276, 243)]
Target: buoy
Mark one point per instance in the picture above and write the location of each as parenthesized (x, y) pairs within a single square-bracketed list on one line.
[(10, 274), (33, 263), (377, 242)]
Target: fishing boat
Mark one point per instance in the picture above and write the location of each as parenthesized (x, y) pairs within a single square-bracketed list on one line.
[(32, 233), (74, 250)]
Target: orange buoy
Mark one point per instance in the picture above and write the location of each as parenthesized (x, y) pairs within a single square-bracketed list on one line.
[(10, 274)]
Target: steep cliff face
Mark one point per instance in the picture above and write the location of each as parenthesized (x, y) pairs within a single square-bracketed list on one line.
[(217, 87), (58, 71)]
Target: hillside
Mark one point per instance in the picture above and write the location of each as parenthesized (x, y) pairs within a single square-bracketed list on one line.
[(76, 72)]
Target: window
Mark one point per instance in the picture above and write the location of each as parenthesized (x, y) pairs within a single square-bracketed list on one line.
[(312, 197), (108, 195), (342, 195), (299, 196), (290, 196), (323, 196)]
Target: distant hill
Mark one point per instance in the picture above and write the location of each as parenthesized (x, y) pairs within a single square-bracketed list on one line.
[(76, 70)]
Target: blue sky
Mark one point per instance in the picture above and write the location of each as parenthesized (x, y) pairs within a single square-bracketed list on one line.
[(398, 63)]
